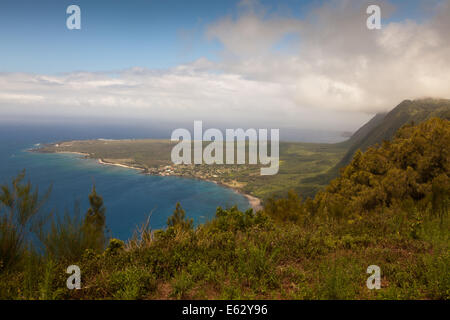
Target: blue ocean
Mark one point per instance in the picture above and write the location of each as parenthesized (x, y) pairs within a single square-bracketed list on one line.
[(128, 195)]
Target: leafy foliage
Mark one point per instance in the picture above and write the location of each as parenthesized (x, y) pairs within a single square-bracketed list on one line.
[(384, 126), (411, 169), (95, 220), (179, 220), (389, 207), (20, 219)]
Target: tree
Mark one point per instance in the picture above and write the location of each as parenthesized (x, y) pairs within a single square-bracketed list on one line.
[(178, 219), (20, 217), (95, 220), (289, 209), (411, 168)]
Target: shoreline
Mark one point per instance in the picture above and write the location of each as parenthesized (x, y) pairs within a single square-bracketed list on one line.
[(100, 161), (255, 202), (73, 152), (34, 150)]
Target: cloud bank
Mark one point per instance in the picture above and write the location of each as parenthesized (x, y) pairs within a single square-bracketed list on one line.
[(325, 69)]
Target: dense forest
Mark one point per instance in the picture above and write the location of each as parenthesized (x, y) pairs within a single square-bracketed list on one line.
[(388, 207)]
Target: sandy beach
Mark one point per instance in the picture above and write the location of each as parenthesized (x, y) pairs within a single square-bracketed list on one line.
[(72, 152), (118, 165), (255, 202)]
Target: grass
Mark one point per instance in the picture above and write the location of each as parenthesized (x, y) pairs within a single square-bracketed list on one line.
[(247, 255), (256, 260)]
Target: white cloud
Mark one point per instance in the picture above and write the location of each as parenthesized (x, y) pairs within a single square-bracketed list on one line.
[(252, 34), (332, 73), (340, 64)]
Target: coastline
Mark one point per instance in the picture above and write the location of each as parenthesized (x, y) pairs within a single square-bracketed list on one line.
[(100, 161), (62, 152), (73, 152), (255, 203)]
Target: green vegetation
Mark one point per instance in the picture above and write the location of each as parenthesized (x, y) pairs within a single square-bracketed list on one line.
[(305, 168), (388, 207), (34, 244), (383, 126), (297, 162)]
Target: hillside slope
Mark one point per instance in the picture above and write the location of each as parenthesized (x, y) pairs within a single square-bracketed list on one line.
[(383, 126), (389, 207), (361, 133)]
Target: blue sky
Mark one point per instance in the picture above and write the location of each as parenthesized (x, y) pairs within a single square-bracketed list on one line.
[(118, 34), (115, 34), (262, 63)]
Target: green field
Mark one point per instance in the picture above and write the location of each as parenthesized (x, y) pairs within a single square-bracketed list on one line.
[(298, 161)]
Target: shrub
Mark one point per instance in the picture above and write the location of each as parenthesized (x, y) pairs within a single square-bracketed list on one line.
[(132, 283)]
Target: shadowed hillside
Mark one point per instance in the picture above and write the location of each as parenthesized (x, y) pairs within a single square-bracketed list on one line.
[(383, 127)]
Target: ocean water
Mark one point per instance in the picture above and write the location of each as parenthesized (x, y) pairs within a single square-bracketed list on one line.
[(129, 196)]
